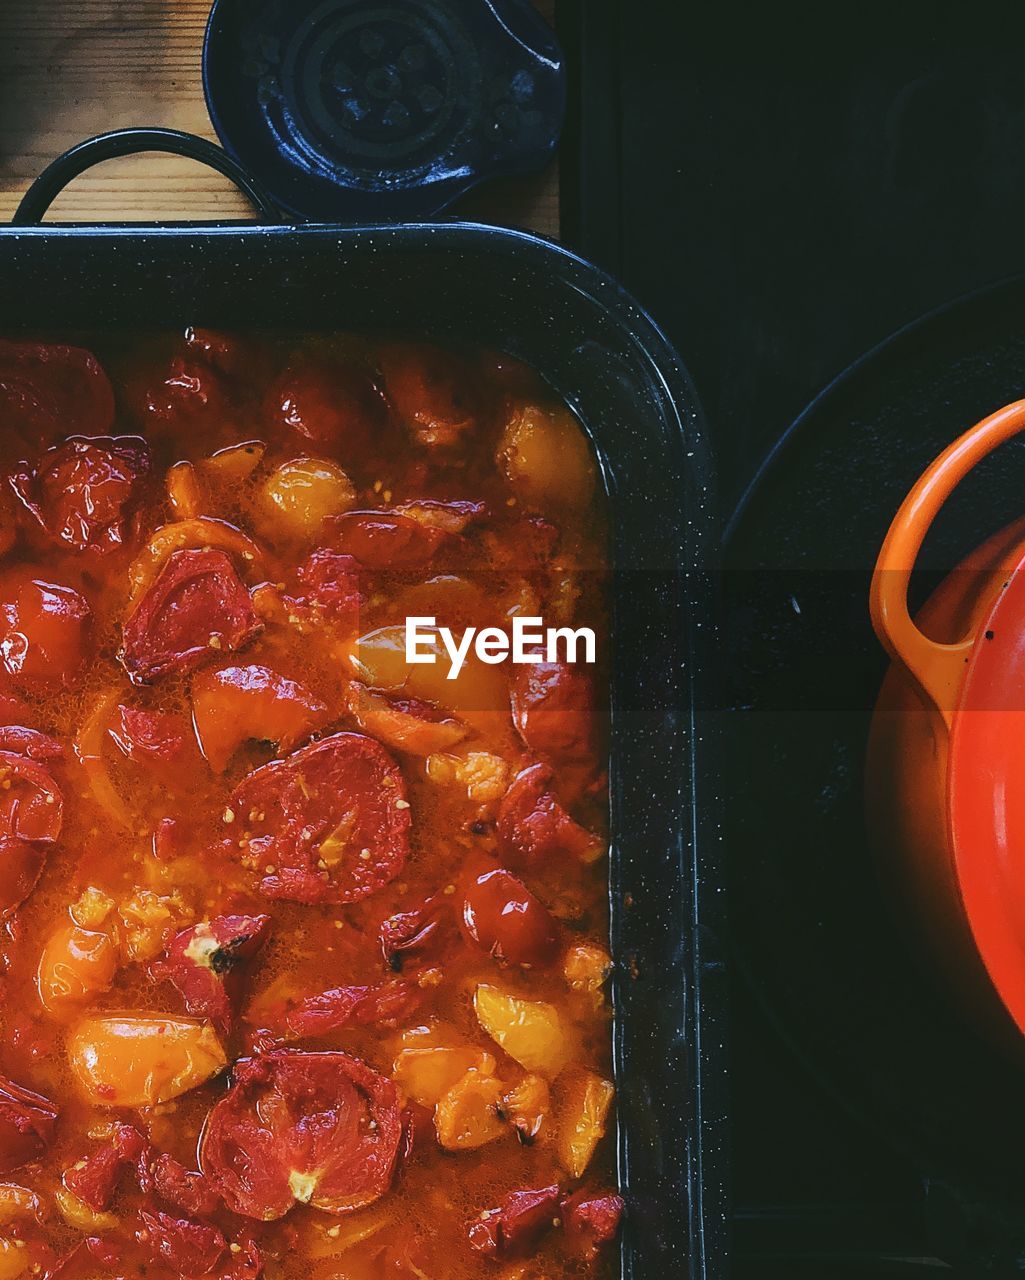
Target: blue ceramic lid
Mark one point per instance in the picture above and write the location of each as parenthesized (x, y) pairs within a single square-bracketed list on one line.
[(367, 110)]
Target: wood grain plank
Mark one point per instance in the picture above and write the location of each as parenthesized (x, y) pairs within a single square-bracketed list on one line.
[(73, 68)]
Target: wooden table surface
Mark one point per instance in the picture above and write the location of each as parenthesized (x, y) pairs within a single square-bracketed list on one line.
[(73, 68)]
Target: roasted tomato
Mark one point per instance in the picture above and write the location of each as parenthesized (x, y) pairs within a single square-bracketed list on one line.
[(317, 1128), (386, 540), (404, 724), (553, 710), (206, 962), (149, 737), (219, 350), (517, 1225), (381, 1004), (196, 609), (76, 965), (20, 741), (328, 824), (235, 704), (417, 933), (183, 1188), (433, 392), (43, 629), (591, 1221), (94, 1178), (188, 1247), (21, 865), (31, 805), (81, 492), (533, 826), (27, 1123), (335, 407), (46, 390), (502, 916), (190, 394), (329, 586)]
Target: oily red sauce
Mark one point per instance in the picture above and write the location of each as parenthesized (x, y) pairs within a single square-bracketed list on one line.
[(303, 947)]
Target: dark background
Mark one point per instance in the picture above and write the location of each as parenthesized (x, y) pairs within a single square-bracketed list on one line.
[(783, 186)]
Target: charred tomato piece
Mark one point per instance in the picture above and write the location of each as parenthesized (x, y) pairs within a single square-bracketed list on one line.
[(533, 826), (81, 492), (197, 609), (313, 1128), (205, 963), (328, 824)]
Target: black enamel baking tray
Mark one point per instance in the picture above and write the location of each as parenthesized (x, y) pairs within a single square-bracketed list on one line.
[(587, 337)]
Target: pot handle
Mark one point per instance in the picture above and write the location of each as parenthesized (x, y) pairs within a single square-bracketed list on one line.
[(125, 142), (938, 668)]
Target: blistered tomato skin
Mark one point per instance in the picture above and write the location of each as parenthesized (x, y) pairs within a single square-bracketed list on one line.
[(44, 630)]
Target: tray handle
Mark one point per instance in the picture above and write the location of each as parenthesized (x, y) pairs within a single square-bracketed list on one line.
[(125, 142), (938, 668)]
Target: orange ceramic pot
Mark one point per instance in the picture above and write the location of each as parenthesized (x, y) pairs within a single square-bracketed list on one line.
[(946, 760)]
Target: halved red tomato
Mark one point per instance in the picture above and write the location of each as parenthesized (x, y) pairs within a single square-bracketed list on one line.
[(196, 609), (235, 704), (43, 629), (553, 710), (80, 493), (308, 1128), (328, 824), (533, 825), (502, 916), (31, 805), (149, 737), (27, 1124), (433, 392), (50, 389)]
